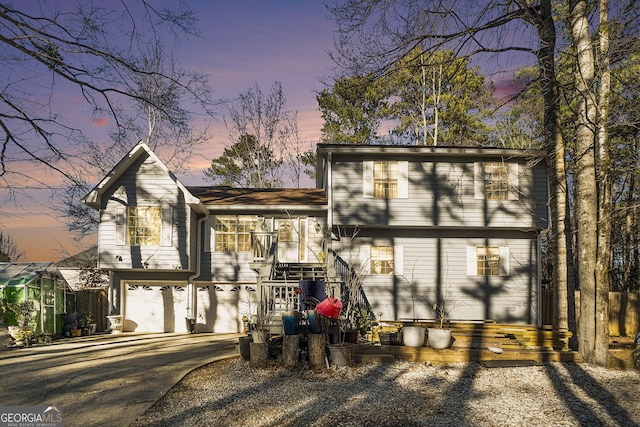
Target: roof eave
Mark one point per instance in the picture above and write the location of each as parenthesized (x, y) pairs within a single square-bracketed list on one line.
[(266, 208)]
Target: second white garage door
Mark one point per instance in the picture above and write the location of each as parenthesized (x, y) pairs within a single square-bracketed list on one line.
[(221, 307)]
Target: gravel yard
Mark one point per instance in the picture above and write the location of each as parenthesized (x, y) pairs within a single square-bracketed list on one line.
[(231, 393)]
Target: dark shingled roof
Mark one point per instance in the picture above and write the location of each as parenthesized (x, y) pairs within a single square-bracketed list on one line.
[(259, 196)]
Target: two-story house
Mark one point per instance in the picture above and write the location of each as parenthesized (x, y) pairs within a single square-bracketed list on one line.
[(432, 224), (418, 224)]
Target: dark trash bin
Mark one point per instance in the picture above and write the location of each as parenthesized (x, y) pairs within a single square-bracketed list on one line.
[(191, 325)]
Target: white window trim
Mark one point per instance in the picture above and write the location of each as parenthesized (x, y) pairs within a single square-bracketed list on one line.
[(210, 232), (121, 229), (166, 226), (364, 259), (478, 181), (403, 179), (472, 261)]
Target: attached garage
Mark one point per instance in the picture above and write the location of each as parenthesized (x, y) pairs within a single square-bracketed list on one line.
[(220, 307), (155, 308), (163, 307)]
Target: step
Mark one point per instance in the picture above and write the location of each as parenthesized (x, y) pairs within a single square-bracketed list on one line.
[(373, 358)]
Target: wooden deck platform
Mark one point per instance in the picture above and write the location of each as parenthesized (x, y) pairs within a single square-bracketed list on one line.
[(477, 342), (389, 353)]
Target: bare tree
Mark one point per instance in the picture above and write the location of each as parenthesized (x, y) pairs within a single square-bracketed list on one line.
[(158, 118), (262, 131), (9, 251), (115, 58)]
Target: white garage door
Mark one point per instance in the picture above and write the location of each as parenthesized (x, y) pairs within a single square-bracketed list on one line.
[(221, 307), (155, 308)]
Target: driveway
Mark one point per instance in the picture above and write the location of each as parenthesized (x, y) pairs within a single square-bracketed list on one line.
[(106, 380)]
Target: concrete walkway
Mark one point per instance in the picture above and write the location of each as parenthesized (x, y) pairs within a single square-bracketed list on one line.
[(106, 380)]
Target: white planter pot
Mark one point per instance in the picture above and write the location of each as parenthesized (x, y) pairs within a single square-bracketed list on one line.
[(413, 336), (439, 338), (14, 331), (259, 335), (341, 354), (116, 323)]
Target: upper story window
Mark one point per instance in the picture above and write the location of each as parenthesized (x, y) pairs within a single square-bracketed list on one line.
[(496, 181), (385, 179), (144, 225), (233, 232)]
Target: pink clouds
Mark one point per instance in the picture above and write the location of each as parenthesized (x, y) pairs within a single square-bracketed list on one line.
[(100, 122)]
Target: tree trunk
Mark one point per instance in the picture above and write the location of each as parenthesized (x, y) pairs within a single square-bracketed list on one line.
[(586, 191), (603, 263), (259, 354), (556, 174), (317, 351), (290, 346)]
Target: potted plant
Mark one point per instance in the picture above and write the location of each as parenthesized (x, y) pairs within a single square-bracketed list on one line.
[(413, 335), (439, 337), (353, 317), (363, 320), (260, 323), (23, 337), (86, 323), (22, 313)]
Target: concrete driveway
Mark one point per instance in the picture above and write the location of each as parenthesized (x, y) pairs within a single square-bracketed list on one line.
[(106, 380)]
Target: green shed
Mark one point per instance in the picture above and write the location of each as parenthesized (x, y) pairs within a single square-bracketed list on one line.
[(43, 285)]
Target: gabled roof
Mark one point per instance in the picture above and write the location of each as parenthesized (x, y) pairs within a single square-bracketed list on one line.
[(93, 198), (85, 259), (260, 197), (24, 273)]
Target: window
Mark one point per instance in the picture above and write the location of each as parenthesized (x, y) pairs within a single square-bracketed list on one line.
[(285, 232), (233, 233), (488, 258), (385, 180), (496, 181), (381, 260), (143, 226), (488, 261)]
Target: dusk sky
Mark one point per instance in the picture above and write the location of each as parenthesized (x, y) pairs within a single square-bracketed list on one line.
[(243, 42)]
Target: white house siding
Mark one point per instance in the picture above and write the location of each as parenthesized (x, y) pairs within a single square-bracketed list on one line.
[(439, 194), (439, 266), (227, 267), (145, 184)]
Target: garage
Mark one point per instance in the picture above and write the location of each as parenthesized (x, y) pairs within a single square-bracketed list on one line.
[(155, 308), (220, 307)]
